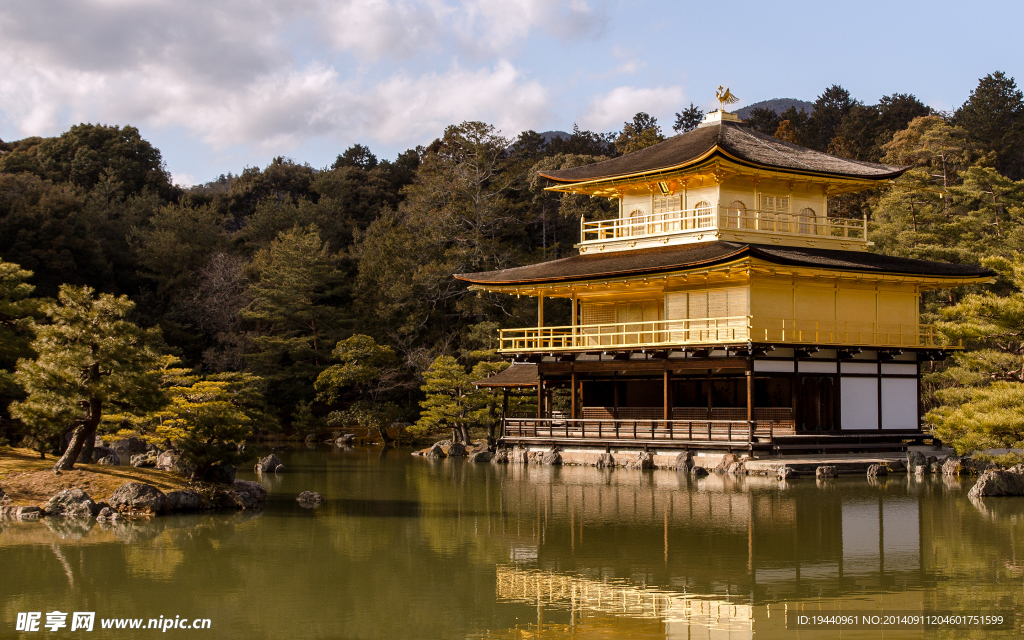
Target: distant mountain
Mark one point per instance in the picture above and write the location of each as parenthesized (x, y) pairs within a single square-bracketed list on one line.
[(778, 105), (551, 135)]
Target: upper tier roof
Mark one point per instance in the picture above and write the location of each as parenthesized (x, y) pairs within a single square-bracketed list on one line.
[(731, 139), (676, 258)]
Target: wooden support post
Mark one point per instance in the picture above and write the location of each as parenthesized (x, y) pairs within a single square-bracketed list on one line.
[(668, 400), (750, 412), (540, 310), (504, 411), (572, 394), (540, 397)]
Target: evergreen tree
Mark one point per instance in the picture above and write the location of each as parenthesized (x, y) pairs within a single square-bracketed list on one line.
[(18, 309), (994, 118), (639, 133), (451, 401), (367, 372), (89, 358), (294, 309), (688, 119)]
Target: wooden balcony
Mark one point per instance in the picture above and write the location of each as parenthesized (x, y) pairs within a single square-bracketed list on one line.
[(706, 223), (715, 331)]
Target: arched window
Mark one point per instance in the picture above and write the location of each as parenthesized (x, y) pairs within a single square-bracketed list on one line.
[(702, 214), (807, 221), (736, 216), (635, 222)]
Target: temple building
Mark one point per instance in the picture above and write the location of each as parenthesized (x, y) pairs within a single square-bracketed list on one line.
[(724, 307)]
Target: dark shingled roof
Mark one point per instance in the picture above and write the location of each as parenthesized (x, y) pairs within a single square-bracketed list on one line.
[(689, 256), (518, 375), (735, 139)]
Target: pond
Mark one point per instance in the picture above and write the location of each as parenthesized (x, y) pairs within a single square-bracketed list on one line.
[(405, 547)]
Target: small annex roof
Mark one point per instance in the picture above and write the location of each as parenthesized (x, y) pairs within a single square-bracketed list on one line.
[(704, 254), (733, 140), (517, 375)]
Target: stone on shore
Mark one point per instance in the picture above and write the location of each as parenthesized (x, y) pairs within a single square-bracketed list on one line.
[(895, 465), (111, 460), (643, 460), (128, 447), (997, 482), (826, 471), (920, 470), (268, 464), (875, 470), (699, 472), (953, 466), (171, 460), (726, 461), (146, 460), (500, 457), (99, 454), (73, 503), (456, 450), (4, 498), (250, 494), (346, 440), (28, 513), (737, 468), (434, 453), (605, 461), (480, 456), (786, 473), (185, 500), (221, 474), (551, 458), (136, 497), (107, 514), (520, 455), (915, 459)]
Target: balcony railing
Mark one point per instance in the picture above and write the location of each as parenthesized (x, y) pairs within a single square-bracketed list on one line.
[(712, 331), (714, 218)]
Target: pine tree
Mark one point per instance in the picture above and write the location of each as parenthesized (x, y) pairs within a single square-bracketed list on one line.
[(18, 309), (295, 310), (89, 358), (639, 133), (452, 401), (688, 119)]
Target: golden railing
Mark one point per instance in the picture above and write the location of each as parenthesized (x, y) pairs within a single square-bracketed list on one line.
[(713, 218), (712, 331)]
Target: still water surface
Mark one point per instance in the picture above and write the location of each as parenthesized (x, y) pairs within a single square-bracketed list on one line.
[(404, 547)]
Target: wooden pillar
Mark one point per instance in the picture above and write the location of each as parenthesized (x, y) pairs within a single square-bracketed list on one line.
[(668, 399), (750, 409), (572, 395), (575, 321), (540, 397), (504, 403), (615, 395), (540, 310)]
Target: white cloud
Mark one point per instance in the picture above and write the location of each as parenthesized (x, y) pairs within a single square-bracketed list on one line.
[(622, 103)]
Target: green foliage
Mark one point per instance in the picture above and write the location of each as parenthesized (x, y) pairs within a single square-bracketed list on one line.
[(640, 133), (994, 118), (368, 372), (452, 402), (89, 357), (18, 310), (87, 154), (977, 418), (176, 241), (294, 312), (688, 119)]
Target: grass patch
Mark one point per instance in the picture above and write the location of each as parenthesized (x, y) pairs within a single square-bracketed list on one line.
[(29, 480)]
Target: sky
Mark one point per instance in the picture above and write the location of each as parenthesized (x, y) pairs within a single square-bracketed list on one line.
[(219, 85)]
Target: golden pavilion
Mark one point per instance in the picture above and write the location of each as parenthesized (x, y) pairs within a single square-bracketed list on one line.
[(723, 307)]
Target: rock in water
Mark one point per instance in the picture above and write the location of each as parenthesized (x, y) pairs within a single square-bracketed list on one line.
[(952, 466), (698, 472), (268, 464), (895, 465), (995, 482), (250, 494), (222, 473), (481, 456), (915, 459), (605, 461), (73, 503), (4, 498), (137, 497), (737, 469), (435, 452), (644, 460), (456, 450), (500, 457), (826, 471), (551, 458), (786, 473), (684, 462), (876, 470), (309, 498), (920, 470), (520, 455), (727, 460)]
